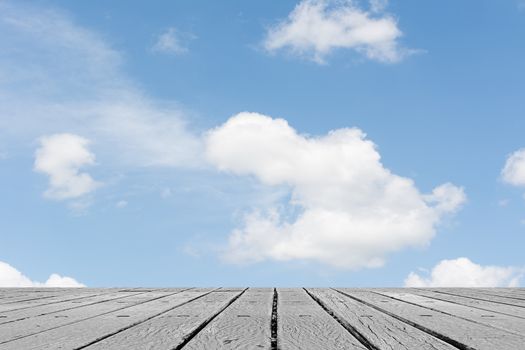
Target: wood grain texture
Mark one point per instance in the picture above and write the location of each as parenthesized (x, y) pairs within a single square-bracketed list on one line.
[(506, 292), (32, 301), (492, 292), (243, 325), (171, 329), (303, 324), (26, 327), (69, 304), (258, 318), (379, 329), (20, 299), (476, 303), (475, 294), (492, 319), (86, 331), (466, 334)]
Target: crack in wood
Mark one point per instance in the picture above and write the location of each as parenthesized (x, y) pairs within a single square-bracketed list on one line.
[(413, 324), (87, 318), (196, 331), (360, 337), (273, 324)]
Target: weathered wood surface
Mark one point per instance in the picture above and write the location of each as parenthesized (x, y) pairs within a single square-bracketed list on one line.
[(503, 322), (476, 303), (478, 295), (67, 304), (172, 329), (457, 331), (263, 318), (303, 324), (246, 324), (379, 329)]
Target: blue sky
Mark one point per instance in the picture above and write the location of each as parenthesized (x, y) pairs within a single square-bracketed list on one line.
[(357, 143)]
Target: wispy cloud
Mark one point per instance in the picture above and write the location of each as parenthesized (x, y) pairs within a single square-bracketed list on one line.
[(462, 272), (378, 5), (172, 41), (121, 204), (315, 28), (56, 74)]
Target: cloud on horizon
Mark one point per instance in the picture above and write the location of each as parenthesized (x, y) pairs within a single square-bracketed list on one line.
[(462, 272), (11, 277)]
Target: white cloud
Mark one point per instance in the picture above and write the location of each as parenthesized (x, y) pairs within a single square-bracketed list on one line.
[(462, 272), (171, 41), (61, 156), (121, 204), (513, 172), (54, 73), (11, 277), (346, 209), (378, 5), (317, 27)]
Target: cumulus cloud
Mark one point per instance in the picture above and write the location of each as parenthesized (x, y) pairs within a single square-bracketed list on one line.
[(11, 277), (171, 41), (462, 272), (61, 156), (513, 172), (315, 28), (54, 72), (346, 209)]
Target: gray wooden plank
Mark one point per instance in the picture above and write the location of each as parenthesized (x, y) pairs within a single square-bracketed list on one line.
[(20, 298), (518, 291), (502, 322), (36, 292), (83, 332), (502, 292), (243, 325), (26, 327), (46, 309), (476, 303), (9, 309), (456, 331), (303, 324), (32, 302), (379, 329), (488, 291), (172, 329), (480, 296)]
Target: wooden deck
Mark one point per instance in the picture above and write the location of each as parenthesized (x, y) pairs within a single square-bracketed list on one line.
[(262, 318)]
